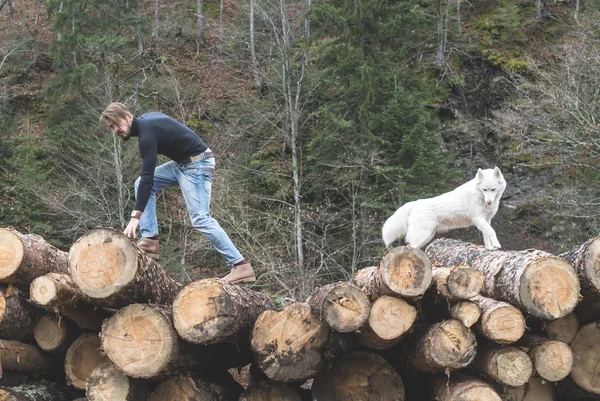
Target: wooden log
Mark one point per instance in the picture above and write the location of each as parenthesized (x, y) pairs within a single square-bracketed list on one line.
[(563, 329), (499, 321), (54, 334), (358, 376), (535, 281), (17, 316), (457, 282), (403, 271), (585, 258), (552, 360), (464, 389), (390, 318), (341, 305), (536, 389), (107, 383), (586, 357), (107, 266), (22, 357), (288, 345), (269, 391), (506, 365), (142, 342), (212, 311), (83, 356), (23, 257), (58, 293), (569, 390), (466, 312), (191, 387), (445, 345), (41, 390)]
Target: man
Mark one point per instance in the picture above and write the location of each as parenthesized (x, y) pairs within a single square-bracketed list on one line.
[(191, 167)]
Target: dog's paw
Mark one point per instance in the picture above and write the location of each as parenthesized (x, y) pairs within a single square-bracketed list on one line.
[(493, 247)]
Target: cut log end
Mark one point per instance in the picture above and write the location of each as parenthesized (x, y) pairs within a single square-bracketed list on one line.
[(550, 288), (107, 383), (138, 340), (102, 261), (269, 390), (11, 253), (504, 325), (346, 308), (466, 390), (563, 329), (406, 271), (553, 360), (465, 282), (391, 317), (466, 312), (451, 345), (83, 356), (50, 333), (43, 290), (592, 263), (508, 365), (202, 311), (586, 354)]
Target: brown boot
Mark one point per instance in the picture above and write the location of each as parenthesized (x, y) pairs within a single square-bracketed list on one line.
[(240, 274), (150, 246)]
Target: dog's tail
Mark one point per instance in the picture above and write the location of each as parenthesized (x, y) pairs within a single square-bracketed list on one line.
[(395, 226)]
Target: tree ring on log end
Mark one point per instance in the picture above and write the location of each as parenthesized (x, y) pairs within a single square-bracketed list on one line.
[(109, 384), (477, 393), (49, 332), (203, 310), (349, 308), (549, 288), (101, 262), (139, 340), (11, 253), (83, 356), (406, 271), (553, 360), (391, 317), (586, 354), (452, 344), (505, 324), (514, 366), (181, 388), (44, 289)]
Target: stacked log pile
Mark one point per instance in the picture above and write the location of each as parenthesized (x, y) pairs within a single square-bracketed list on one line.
[(455, 322)]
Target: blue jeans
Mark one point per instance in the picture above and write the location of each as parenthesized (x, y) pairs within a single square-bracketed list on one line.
[(195, 181)]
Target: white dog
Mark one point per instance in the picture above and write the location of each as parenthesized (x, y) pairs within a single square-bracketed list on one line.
[(472, 204)]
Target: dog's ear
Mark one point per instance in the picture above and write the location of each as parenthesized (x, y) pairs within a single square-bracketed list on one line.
[(479, 175), (497, 173)]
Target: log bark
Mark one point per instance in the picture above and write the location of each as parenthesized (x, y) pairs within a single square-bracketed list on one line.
[(269, 391), (341, 305), (464, 389), (54, 334), (457, 282), (499, 321), (445, 345), (17, 316), (83, 356), (142, 342), (536, 389), (41, 390), (191, 387), (212, 311), (564, 329), (466, 312), (535, 281), (506, 365), (358, 376), (58, 293), (107, 266), (552, 360), (23, 257), (107, 383), (288, 345), (403, 271), (22, 357), (586, 356), (586, 261), (390, 318)]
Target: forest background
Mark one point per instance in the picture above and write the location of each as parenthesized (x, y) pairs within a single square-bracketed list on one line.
[(325, 116)]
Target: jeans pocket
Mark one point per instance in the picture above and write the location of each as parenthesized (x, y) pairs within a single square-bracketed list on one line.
[(207, 177)]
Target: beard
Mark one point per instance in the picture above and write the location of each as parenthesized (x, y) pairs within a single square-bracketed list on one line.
[(125, 137)]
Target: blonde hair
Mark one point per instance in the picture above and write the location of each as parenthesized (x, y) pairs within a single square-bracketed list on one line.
[(115, 111)]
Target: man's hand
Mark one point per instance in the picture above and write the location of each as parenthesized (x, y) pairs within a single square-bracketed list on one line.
[(131, 229)]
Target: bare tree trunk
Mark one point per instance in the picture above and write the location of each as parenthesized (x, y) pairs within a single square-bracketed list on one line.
[(257, 84), (200, 20), (458, 21), (442, 33), (38, 7), (11, 12), (538, 9), (576, 16), (221, 27), (156, 19)]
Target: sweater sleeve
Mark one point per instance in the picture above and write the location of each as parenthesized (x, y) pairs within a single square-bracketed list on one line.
[(149, 153)]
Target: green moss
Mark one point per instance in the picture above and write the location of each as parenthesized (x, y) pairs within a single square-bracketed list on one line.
[(519, 66)]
